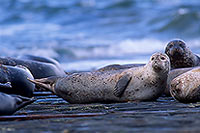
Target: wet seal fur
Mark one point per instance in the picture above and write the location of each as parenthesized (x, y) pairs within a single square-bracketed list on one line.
[(180, 55), (186, 87), (13, 80), (39, 69), (11, 103), (145, 83)]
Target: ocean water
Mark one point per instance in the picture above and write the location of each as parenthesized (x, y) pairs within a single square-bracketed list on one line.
[(88, 34)]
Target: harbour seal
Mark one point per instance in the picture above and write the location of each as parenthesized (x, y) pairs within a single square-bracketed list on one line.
[(118, 67), (180, 55), (186, 87), (143, 83), (13, 80), (38, 69), (11, 103), (173, 74)]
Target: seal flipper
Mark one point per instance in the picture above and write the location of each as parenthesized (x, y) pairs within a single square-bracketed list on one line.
[(6, 85), (47, 83), (22, 101), (122, 85)]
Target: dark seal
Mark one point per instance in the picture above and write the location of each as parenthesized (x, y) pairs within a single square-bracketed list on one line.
[(144, 83), (41, 59), (180, 55), (39, 69), (13, 80), (11, 103)]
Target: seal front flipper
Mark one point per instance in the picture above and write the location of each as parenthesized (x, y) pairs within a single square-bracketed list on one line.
[(5, 85), (122, 85)]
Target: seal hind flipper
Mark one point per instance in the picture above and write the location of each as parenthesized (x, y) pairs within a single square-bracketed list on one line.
[(46, 83), (5, 85), (122, 85), (23, 101)]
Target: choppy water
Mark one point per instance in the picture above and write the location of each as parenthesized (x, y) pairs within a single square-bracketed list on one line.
[(86, 34)]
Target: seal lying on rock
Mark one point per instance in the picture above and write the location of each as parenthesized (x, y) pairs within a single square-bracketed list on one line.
[(186, 87), (173, 74), (38, 69), (11, 103), (118, 66), (180, 55), (143, 83), (13, 80)]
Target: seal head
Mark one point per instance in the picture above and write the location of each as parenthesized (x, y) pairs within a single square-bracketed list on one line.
[(160, 63), (180, 55)]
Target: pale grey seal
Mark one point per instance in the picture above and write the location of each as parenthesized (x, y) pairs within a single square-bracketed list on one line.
[(180, 55), (13, 80), (11, 103), (186, 87), (143, 83)]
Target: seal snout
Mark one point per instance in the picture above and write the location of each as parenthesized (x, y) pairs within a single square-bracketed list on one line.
[(175, 48)]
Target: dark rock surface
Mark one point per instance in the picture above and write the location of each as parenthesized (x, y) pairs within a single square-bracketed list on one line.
[(165, 115)]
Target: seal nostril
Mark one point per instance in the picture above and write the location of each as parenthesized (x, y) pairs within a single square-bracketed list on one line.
[(170, 46), (162, 58)]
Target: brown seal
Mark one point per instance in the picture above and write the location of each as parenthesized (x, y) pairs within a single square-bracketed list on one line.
[(143, 83), (186, 87), (180, 55)]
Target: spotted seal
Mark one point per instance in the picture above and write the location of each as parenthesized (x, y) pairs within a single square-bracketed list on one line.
[(186, 87), (173, 74), (13, 80), (11, 103), (118, 67), (180, 55), (143, 83), (37, 68)]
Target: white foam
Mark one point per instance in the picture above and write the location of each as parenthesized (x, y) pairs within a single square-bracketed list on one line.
[(123, 48)]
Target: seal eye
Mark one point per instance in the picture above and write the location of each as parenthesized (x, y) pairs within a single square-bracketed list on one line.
[(182, 45), (171, 45), (152, 58), (162, 58)]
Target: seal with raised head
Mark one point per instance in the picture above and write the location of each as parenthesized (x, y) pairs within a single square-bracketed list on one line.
[(37, 68), (11, 103), (180, 55), (13, 80), (145, 83), (186, 87)]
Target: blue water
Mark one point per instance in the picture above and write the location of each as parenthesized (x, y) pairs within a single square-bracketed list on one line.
[(87, 34)]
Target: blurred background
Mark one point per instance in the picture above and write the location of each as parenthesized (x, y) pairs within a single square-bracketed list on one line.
[(88, 34)]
